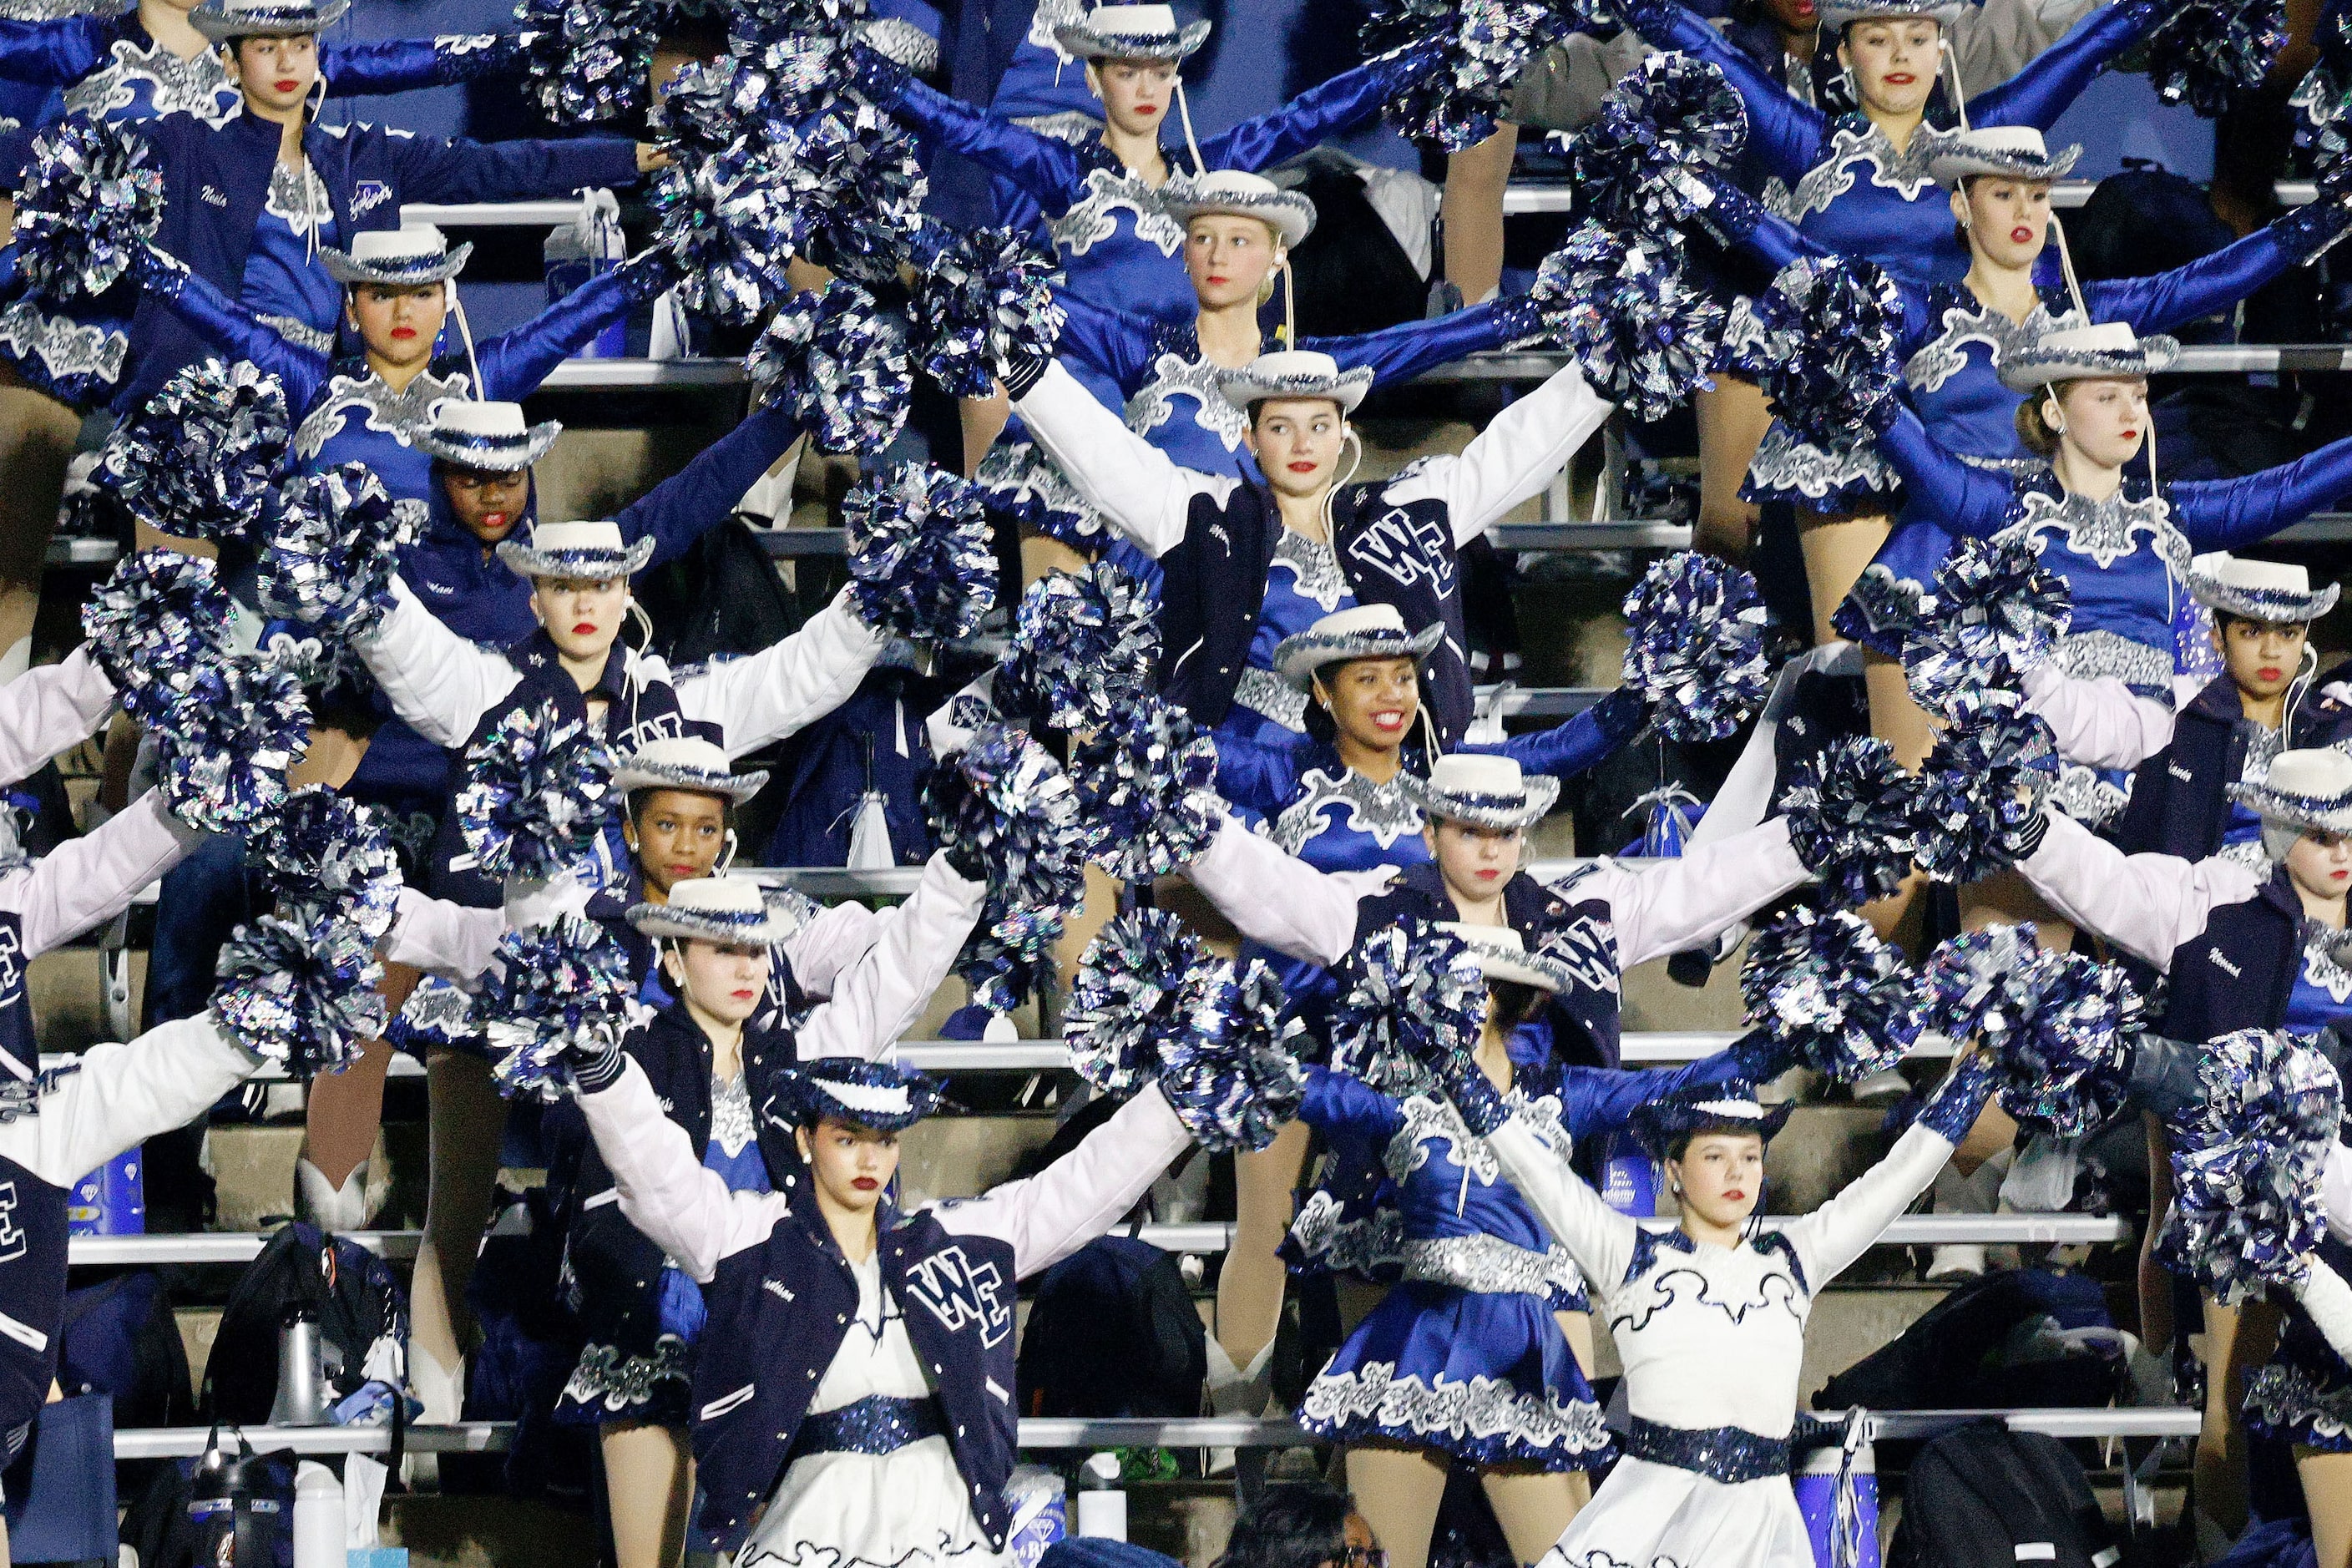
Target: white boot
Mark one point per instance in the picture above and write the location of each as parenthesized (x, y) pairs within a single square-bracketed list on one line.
[(1956, 1194), (1234, 1391), (442, 1392), (339, 1211)]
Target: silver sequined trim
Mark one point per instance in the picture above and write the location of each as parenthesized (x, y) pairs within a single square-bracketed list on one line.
[(1263, 692), (1089, 221), (1906, 173), (198, 86), (300, 334), (1367, 1246), (1489, 1266), (2249, 853), (1944, 355), (2287, 1397), (732, 1123), (2082, 794), (2322, 967), (1383, 812), (1050, 14), (1315, 565), (1483, 1409), (1430, 1121), (604, 1377), (1072, 126), (438, 1007), (298, 195), (2103, 530), (2087, 656), (392, 413), (1153, 404), (64, 347), (2016, 467), (1785, 462)]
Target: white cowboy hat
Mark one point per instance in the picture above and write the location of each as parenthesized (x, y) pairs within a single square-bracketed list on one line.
[(1482, 789), (487, 437), (1295, 372), (1236, 192), (589, 549), (1364, 631), (2273, 590)]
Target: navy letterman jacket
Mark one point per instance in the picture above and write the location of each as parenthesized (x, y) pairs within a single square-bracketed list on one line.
[(1398, 541), (781, 1296)]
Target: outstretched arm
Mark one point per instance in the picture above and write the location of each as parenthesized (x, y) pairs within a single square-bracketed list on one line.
[(683, 1206), (1049, 170), (456, 942), (1132, 483), (2099, 722), (54, 52), (119, 1096), (1962, 499), (87, 882), (2146, 904), (515, 362), (1513, 458), (1784, 134), (458, 170), (1080, 1195), (1342, 1105), (439, 683), (228, 326), (1402, 351), (886, 989), (1830, 1238), (1586, 741), (2047, 86), (397, 65), (777, 691), (1600, 1238), (1109, 342), (2326, 1301), (1280, 901), (1315, 116), (1677, 904), (703, 494), (1594, 1100), (2211, 284), (2228, 514), (49, 709)]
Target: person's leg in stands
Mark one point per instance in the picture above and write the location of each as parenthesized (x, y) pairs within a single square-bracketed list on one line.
[(1250, 1285), (1732, 418), (2156, 1325), (469, 1121), (1398, 1491), (36, 441), (1837, 547), (341, 1117), (648, 1487), (1473, 213), (2327, 1492), (2237, 1340)]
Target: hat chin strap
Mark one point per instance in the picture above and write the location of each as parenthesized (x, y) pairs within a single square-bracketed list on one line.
[(1184, 113)]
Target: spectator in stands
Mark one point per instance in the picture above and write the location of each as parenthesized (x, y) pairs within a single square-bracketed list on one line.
[(1302, 1524), (2243, 948), (714, 1054)]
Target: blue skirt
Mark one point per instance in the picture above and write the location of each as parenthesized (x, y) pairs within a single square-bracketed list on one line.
[(2302, 1394), (1486, 1378), (650, 1384)]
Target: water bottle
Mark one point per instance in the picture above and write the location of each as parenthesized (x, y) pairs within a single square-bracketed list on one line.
[(110, 1200), (1102, 1502), (237, 1522), (319, 1528), (302, 1393), (577, 251)]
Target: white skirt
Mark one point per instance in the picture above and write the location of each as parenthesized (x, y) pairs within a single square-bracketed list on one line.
[(906, 1509), (1649, 1515)]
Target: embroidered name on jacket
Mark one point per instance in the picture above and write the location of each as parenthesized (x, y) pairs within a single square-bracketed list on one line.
[(12, 1235), (1407, 549), (958, 1292), (369, 195)]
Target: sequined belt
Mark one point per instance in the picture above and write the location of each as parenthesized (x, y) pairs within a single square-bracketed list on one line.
[(2087, 656), (1263, 692), (1489, 1265), (876, 1424), (1727, 1454)]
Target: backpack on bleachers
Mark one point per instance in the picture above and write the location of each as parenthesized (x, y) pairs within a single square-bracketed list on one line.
[(360, 1309), (2011, 1337), (1113, 1331), (1984, 1495), (120, 1338)]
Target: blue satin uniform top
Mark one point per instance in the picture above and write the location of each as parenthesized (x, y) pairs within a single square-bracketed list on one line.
[(1119, 243), (1952, 345), (1842, 181), (2122, 558), (286, 285)]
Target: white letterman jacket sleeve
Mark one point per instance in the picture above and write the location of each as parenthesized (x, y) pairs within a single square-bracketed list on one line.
[(1135, 486), (455, 941), (683, 1206), (1279, 899), (88, 881), (121, 1095), (2146, 904), (2098, 722), (2326, 1301), (779, 690), (886, 989), (438, 683), (2335, 1190), (835, 938), (1677, 904), (1051, 1215), (1513, 458), (48, 710)]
